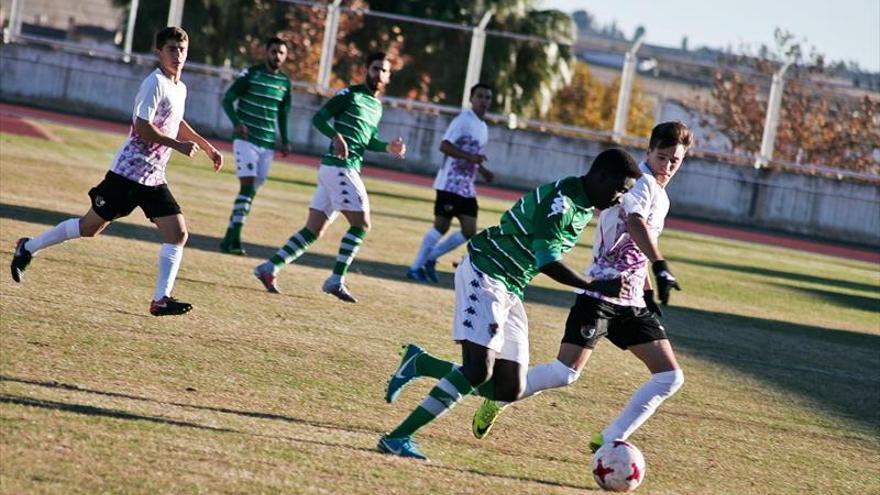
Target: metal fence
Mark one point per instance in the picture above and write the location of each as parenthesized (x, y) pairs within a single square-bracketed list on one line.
[(329, 45)]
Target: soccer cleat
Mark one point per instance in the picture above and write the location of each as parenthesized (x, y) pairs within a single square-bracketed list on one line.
[(21, 258), (267, 278), (232, 248), (485, 417), (405, 372), (404, 447), (339, 290), (431, 270), (417, 275), (596, 441), (168, 306)]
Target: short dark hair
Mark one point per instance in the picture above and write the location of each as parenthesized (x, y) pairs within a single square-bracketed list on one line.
[(615, 162), (480, 86), (669, 134), (170, 33), (275, 40), (374, 56)]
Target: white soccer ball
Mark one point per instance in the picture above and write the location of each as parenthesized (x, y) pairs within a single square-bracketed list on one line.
[(618, 466)]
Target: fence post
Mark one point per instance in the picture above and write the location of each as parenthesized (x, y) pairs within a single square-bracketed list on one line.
[(626, 81), (175, 13), (129, 30), (475, 58), (14, 28), (328, 47), (771, 120)]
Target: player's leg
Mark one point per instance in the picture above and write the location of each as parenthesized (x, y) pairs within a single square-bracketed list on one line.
[(645, 337), (466, 211), (481, 310), (348, 195), (443, 213), (172, 230), (316, 224), (247, 163), (109, 200)]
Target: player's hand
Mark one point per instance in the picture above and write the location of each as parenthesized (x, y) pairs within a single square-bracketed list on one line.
[(286, 149), (612, 287), (188, 148), (478, 159), (215, 157), (665, 280), (242, 131), (340, 147), (651, 304), (397, 148)]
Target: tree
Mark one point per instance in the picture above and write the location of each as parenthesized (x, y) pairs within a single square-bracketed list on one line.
[(588, 103), (817, 125)]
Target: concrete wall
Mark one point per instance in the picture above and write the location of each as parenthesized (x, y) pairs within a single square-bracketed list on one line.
[(704, 189)]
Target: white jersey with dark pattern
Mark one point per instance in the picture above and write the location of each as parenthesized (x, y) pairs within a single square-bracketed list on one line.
[(469, 133), (615, 254), (161, 102)]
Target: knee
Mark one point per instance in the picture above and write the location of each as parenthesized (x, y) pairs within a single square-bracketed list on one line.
[(89, 230), (673, 380), (477, 373), (509, 392), (181, 238), (468, 233), (366, 226)]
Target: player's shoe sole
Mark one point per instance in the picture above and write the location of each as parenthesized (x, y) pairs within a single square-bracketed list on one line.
[(485, 417), (405, 372), (21, 258)]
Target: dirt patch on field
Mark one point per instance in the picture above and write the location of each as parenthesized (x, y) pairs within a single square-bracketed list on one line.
[(13, 124)]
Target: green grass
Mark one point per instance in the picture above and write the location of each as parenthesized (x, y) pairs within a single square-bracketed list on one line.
[(261, 393)]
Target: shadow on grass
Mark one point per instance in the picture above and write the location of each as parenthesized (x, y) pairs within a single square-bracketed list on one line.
[(125, 415), (838, 369)]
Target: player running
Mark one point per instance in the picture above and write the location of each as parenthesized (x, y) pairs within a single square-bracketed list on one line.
[(137, 175), (356, 112), (263, 96), (464, 147), (626, 239), (490, 321)]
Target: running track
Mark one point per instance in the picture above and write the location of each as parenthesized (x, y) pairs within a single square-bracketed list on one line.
[(16, 119)]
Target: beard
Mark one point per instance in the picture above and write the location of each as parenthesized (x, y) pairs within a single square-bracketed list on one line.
[(374, 84)]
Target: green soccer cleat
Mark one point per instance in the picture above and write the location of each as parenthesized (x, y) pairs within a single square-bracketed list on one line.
[(485, 417), (596, 442)]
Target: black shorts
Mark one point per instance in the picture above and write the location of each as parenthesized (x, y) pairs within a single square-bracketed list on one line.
[(116, 197), (449, 205), (590, 319)]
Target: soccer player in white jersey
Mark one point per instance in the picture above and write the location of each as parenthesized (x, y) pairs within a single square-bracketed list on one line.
[(463, 146), (137, 175), (626, 240)]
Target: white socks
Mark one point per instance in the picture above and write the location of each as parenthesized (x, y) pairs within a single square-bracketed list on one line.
[(64, 231), (545, 376), (170, 256), (448, 244), (643, 403), (428, 243)]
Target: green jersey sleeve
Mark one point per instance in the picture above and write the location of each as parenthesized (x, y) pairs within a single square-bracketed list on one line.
[(377, 144), (283, 111), (239, 87)]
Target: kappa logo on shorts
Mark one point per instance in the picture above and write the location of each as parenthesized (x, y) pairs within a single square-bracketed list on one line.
[(467, 324), (588, 332), (99, 201), (470, 310), (493, 328), (447, 207), (250, 166)]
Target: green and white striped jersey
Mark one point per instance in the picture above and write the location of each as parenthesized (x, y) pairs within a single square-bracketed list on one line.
[(537, 230), (263, 100), (356, 114)]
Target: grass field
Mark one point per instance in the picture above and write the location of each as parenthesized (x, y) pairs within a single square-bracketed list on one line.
[(260, 393)]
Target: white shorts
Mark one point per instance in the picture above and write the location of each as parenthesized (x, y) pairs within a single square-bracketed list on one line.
[(252, 160), (339, 189), (488, 314)]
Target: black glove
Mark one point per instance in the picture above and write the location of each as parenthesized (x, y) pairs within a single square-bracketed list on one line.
[(665, 280), (651, 304)]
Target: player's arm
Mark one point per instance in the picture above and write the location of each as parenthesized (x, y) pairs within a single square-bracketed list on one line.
[(396, 147), (150, 133), (321, 121), (237, 90), (283, 111), (450, 149), (187, 133), (638, 231)]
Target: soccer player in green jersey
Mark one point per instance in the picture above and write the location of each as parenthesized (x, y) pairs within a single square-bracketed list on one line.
[(355, 112), (490, 322), (263, 95)]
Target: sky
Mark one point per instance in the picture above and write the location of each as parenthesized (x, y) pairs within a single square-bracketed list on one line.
[(841, 29)]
